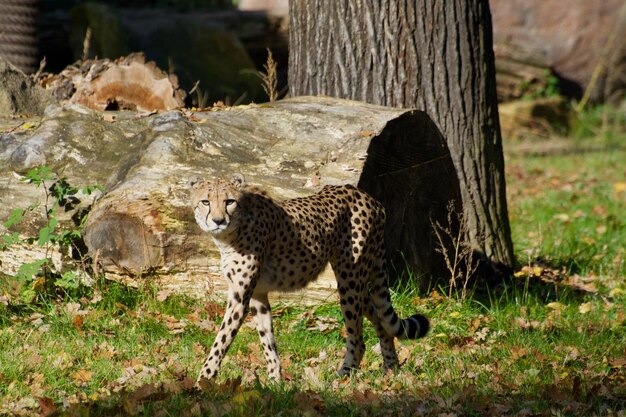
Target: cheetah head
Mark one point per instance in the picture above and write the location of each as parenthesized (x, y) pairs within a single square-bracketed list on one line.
[(215, 203)]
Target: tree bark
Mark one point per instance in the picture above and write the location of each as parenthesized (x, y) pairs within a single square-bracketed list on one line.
[(433, 56)]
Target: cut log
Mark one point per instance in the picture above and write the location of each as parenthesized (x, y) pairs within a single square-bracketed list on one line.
[(143, 225), (128, 83)]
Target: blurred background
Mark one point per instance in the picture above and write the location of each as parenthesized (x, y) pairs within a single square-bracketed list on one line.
[(543, 48)]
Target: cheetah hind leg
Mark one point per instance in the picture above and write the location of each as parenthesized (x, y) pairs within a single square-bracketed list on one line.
[(387, 344), (351, 292)]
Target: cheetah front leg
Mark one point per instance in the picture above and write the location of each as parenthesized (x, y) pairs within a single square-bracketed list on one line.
[(262, 314), (239, 295)]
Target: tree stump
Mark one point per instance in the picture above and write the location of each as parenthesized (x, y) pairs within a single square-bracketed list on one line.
[(128, 83)]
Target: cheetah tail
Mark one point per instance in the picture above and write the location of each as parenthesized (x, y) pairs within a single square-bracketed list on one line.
[(413, 327)]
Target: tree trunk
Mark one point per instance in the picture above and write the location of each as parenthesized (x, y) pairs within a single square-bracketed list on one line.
[(433, 56)]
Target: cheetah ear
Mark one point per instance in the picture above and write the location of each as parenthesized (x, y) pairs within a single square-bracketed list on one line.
[(237, 180)]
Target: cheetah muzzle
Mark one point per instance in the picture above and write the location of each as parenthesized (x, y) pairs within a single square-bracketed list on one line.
[(282, 246)]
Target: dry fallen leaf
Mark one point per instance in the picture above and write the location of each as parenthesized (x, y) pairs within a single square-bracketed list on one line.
[(134, 401), (163, 295), (555, 306), (309, 373), (46, 407), (366, 397), (618, 362), (518, 352), (78, 322), (62, 360), (105, 351), (584, 308), (310, 401), (563, 217), (214, 309), (619, 188), (82, 376), (525, 324)]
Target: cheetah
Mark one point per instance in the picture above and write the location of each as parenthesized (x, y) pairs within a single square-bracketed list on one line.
[(267, 245)]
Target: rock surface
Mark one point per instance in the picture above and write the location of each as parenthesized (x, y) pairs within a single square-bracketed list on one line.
[(570, 36), (143, 225)]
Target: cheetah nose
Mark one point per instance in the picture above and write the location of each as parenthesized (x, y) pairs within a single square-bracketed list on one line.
[(219, 221)]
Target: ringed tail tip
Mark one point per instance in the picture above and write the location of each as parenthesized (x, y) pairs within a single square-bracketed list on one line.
[(416, 326)]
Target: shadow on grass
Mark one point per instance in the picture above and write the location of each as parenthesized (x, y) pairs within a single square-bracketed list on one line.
[(232, 398), (541, 280)]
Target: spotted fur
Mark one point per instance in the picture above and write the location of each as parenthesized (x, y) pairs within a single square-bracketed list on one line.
[(282, 246)]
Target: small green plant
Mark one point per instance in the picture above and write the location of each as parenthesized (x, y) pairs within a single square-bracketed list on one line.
[(537, 89), (39, 278), (551, 88), (600, 122)]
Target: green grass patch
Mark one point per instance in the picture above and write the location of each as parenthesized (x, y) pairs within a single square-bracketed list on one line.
[(567, 210), (516, 350)]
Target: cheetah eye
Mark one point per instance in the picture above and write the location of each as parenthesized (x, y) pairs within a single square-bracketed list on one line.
[(229, 203), (205, 202)]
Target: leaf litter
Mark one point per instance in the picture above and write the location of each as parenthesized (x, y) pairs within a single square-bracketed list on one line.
[(470, 362)]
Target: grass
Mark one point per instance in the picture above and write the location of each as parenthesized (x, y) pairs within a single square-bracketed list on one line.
[(567, 209), (550, 342), (481, 357)]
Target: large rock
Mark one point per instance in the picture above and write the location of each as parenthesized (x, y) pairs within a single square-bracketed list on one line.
[(570, 37), (143, 225)]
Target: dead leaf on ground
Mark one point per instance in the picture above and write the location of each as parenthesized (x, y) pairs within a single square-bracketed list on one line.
[(133, 403), (62, 360), (105, 351), (585, 308), (214, 310), (46, 407), (310, 376), (82, 376), (366, 396), (619, 188), (518, 352), (78, 322), (310, 401), (164, 295)]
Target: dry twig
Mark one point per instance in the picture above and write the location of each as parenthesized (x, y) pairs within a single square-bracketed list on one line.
[(87, 44), (456, 251), (269, 78)]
